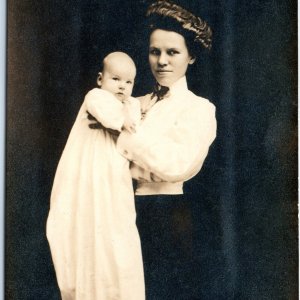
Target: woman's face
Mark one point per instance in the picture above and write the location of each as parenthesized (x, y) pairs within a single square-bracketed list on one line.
[(168, 56)]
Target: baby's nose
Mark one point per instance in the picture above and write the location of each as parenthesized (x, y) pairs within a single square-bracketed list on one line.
[(122, 86)]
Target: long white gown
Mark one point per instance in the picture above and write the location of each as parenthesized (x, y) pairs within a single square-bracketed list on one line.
[(91, 227)]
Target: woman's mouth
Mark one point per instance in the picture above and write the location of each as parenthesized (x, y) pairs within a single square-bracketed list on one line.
[(163, 72)]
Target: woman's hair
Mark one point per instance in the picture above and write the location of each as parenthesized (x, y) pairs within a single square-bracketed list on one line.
[(166, 15)]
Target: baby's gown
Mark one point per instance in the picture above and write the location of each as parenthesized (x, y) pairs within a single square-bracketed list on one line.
[(91, 227)]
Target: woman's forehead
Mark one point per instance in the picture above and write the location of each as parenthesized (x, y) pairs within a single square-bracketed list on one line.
[(166, 39)]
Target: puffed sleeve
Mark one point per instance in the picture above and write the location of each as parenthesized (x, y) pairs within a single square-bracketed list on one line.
[(178, 153), (134, 108), (107, 109)]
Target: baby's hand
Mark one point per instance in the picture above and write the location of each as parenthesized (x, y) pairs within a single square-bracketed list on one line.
[(129, 125)]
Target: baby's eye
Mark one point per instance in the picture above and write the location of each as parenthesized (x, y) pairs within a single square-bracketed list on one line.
[(115, 78)]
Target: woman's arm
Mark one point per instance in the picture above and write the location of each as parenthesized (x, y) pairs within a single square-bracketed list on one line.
[(178, 153)]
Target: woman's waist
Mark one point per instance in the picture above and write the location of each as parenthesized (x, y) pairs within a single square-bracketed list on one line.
[(150, 184), (157, 188)]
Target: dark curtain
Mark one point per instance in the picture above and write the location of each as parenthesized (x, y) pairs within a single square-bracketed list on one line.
[(245, 198)]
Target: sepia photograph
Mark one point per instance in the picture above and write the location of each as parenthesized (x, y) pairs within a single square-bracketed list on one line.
[(151, 150)]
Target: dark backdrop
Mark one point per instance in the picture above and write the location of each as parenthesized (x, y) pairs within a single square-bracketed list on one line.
[(245, 198)]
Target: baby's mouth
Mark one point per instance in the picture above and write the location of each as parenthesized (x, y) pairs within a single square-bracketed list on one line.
[(120, 96)]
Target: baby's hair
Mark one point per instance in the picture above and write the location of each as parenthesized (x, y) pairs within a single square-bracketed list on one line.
[(101, 67), (113, 55)]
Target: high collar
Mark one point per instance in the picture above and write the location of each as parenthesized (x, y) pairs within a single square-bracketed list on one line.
[(179, 86)]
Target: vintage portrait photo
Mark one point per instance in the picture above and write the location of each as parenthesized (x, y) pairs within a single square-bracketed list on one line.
[(151, 150)]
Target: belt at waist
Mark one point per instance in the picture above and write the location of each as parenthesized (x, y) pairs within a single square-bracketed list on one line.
[(156, 188)]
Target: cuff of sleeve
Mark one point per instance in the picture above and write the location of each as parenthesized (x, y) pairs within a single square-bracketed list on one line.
[(118, 124)]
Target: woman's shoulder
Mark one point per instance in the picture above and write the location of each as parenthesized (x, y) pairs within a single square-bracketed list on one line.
[(201, 102), (144, 100), (144, 97), (133, 101)]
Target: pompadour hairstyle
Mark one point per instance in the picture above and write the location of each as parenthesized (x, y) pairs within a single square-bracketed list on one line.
[(166, 9)]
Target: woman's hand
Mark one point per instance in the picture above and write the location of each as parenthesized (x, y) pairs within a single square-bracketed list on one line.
[(97, 125)]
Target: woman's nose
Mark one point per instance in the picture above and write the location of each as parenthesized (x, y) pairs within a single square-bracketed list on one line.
[(162, 60)]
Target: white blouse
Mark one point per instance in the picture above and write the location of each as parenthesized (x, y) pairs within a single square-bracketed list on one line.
[(172, 141)]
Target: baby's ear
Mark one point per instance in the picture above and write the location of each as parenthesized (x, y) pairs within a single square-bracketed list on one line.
[(99, 79)]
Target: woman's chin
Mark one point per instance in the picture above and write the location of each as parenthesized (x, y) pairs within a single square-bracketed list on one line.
[(164, 82)]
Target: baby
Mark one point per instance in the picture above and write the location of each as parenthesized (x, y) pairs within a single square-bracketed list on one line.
[(91, 227)]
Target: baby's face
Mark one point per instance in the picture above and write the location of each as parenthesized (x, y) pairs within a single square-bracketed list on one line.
[(118, 78)]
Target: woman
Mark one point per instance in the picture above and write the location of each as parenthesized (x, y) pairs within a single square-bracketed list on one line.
[(169, 148)]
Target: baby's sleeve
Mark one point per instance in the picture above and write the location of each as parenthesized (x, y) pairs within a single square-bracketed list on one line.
[(135, 110), (107, 109)]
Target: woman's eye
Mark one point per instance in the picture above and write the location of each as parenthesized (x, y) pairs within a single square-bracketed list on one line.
[(172, 52), (154, 52), (129, 82)]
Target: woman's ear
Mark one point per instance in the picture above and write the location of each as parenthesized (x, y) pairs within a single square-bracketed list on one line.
[(192, 60), (99, 79)]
